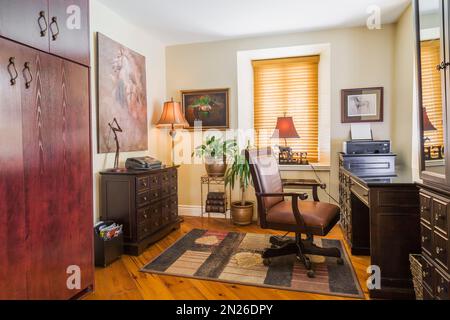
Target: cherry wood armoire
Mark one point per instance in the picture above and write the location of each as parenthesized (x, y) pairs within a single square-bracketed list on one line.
[(46, 193)]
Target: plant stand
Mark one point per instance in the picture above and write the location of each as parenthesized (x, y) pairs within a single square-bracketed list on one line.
[(214, 181)]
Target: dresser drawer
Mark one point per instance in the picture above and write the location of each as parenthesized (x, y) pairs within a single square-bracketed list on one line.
[(440, 216), (425, 208), (148, 213), (143, 199), (442, 286), (426, 238), (142, 184), (144, 230), (173, 208), (165, 178), (440, 250), (361, 192)]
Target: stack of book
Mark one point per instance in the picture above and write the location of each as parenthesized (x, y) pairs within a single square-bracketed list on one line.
[(216, 202)]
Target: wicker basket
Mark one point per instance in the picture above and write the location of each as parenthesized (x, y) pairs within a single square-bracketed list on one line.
[(416, 264)]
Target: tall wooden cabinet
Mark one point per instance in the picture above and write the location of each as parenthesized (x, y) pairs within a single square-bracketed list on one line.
[(46, 193), (433, 66)]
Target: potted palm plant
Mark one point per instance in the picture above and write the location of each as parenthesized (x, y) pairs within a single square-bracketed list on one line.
[(215, 152), (239, 172)]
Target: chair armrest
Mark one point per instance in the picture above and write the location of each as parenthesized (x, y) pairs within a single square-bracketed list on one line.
[(314, 185), (295, 196), (301, 196)]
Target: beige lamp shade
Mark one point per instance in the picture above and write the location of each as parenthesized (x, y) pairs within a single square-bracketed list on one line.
[(172, 116)]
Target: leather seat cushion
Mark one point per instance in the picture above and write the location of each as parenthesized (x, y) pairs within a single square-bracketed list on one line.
[(318, 216)]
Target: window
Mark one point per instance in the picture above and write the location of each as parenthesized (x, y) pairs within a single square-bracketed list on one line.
[(288, 86), (432, 90)]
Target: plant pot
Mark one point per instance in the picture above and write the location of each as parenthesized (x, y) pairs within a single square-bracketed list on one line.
[(242, 215), (215, 167)]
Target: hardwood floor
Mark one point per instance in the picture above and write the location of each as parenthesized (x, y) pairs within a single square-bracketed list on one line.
[(122, 280)]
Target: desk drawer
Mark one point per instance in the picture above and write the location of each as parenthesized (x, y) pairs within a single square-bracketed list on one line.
[(440, 250), (426, 237), (440, 216), (360, 191), (425, 208), (442, 286)]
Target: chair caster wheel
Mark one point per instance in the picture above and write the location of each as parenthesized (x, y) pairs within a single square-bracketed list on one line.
[(340, 261), (267, 262), (311, 274)]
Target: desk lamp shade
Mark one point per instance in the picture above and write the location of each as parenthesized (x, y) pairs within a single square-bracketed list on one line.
[(427, 125), (285, 129), (172, 116)]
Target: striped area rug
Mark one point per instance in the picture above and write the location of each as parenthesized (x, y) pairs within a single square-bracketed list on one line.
[(236, 258)]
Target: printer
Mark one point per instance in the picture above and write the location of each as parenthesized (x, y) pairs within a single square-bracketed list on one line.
[(367, 147)]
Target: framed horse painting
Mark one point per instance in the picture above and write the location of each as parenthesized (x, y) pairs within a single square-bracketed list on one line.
[(122, 95), (362, 105)]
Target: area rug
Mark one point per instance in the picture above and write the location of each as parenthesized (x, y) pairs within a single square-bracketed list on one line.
[(236, 258)]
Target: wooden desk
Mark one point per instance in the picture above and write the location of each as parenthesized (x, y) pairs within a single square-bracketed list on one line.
[(380, 217)]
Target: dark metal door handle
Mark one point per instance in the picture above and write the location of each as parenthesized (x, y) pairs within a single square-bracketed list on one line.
[(56, 32), (27, 75), (442, 66), (12, 70), (43, 25)]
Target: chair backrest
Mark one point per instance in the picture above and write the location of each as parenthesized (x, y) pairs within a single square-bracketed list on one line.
[(266, 179)]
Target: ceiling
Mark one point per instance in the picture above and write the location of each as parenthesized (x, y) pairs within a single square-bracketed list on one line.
[(188, 21)]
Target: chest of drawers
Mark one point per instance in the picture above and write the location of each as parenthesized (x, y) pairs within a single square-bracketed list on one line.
[(145, 202), (435, 231)]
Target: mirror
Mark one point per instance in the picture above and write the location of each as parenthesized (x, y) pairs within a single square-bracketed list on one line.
[(431, 82)]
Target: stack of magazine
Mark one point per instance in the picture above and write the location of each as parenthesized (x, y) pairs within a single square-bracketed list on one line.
[(108, 231)]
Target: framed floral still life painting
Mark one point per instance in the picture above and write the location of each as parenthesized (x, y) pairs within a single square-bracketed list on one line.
[(362, 105), (208, 109)]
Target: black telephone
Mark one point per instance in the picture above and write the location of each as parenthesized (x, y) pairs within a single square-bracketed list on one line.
[(143, 163)]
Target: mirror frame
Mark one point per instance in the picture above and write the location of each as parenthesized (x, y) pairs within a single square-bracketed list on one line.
[(428, 176)]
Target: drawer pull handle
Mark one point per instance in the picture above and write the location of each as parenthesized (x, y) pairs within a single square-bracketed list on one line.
[(439, 216), (27, 75), (425, 274), (155, 194), (144, 184), (55, 33), (440, 289), (439, 250), (424, 209), (42, 22), (12, 70), (425, 239), (145, 216)]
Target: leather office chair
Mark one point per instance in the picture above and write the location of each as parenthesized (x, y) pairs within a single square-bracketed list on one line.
[(276, 211)]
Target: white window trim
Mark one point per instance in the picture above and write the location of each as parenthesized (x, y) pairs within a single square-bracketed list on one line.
[(246, 90)]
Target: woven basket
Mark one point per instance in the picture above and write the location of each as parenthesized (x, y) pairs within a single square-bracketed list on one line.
[(416, 265)]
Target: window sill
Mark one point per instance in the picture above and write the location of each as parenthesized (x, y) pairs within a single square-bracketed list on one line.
[(317, 167)]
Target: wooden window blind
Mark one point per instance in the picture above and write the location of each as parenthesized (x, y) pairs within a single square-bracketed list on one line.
[(288, 86), (432, 90)]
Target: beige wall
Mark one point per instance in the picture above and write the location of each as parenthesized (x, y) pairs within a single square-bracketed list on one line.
[(112, 25), (359, 58), (402, 117)]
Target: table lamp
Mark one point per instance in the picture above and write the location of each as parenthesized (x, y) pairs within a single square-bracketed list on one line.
[(172, 117), (285, 130)]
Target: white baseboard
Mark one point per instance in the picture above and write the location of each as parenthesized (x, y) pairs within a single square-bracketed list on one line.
[(196, 211)]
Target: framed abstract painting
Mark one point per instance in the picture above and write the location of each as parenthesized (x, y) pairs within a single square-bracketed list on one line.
[(207, 108), (122, 95)]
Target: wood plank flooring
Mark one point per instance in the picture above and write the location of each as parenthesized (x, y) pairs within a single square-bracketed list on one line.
[(122, 280)]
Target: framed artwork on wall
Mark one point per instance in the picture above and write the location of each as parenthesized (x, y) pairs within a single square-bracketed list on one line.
[(362, 105), (122, 95), (210, 108)]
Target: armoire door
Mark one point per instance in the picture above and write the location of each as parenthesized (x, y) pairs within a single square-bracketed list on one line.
[(13, 233), (69, 29), (25, 21), (58, 178)]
